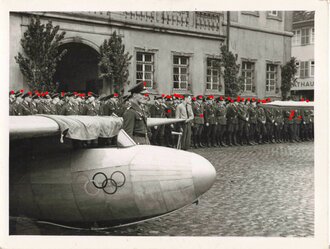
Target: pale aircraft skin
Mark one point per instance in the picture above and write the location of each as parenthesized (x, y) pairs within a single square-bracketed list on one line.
[(100, 187)]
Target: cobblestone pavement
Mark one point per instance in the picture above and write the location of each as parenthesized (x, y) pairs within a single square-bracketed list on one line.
[(262, 190)]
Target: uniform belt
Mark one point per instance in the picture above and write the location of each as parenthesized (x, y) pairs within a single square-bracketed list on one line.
[(139, 134)]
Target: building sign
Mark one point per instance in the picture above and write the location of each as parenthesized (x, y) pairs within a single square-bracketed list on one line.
[(303, 84)]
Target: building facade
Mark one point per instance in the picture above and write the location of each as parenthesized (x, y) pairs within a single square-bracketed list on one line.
[(303, 51), (173, 52)]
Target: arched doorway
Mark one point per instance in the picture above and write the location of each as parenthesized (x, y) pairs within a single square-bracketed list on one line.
[(78, 70)]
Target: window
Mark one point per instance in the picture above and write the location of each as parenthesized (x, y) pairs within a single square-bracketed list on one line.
[(296, 39), (305, 36), (312, 35), (273, 13), (248, 75), (271, 77), (311, 69), (180, 72), (213, 74), (145, 68), (304, 66)]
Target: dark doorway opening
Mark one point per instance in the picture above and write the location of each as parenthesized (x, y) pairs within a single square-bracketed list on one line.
[(78, 70)]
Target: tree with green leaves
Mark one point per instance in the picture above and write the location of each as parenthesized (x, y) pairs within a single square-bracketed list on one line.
[(114, 63), (233, 82), (39, 60), (288, 72)]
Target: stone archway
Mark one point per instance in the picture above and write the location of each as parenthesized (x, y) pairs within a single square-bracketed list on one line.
[(78, 69)]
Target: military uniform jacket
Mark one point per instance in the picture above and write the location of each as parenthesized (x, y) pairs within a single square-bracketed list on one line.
[(170, 111), (70, 109), (288, 117), (261, 115), (253, 115), (198, 110), (91, 110), (24, 109), (209, 114), (157, 111), (306, 117), (242, 113), (47, 108), (15, 109), (269, 115), (232, 114), (221, 113), (109, 107), (279, 120), (135, 121), (298, 117)]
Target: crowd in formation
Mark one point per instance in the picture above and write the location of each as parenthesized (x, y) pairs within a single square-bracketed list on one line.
[(214, 121)]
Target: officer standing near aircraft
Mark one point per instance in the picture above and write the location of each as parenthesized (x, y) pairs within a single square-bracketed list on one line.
[(135, 120)]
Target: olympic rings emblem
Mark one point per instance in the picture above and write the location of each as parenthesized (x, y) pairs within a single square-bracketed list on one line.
[(109, 185)]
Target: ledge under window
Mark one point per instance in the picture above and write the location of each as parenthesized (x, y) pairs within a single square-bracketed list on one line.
[(251, 13)]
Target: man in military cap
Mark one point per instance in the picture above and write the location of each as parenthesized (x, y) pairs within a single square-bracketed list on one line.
[(70, 107), (253, 121), (278, 125), (210, 121), (91, 108), (135, 120), (270, 120), (12, 99), (16, 104), (25, 106), (169, 113), (261, 123), (232, 122), (221, 112), (157, 110), (198, 109)]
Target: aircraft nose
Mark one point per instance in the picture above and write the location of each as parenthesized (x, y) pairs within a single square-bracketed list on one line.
[(204, 174)]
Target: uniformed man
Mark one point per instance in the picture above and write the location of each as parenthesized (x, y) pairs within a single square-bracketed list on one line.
[(12, 100), (232, 122), (198, 110), (261, 123), (70, 107), (210, 121), (157, 110), (253, 121), (169, 113), (279, 123), (289, 115), (306, 123), (221, 113), (91, 108), (25, 106), (243, 122), (184, 111), (270, 120), (135, 120), (16, 104)]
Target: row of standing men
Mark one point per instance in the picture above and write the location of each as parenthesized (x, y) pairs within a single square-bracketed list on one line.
[(210, 122)]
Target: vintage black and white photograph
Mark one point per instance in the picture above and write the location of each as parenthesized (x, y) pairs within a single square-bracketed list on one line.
[(162, 123)]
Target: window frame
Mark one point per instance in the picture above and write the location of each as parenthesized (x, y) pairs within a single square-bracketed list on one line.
[(275, 80), (144, 63), (245, 71), (179, 74), (296, 39), (212, 68), (305, 39)]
